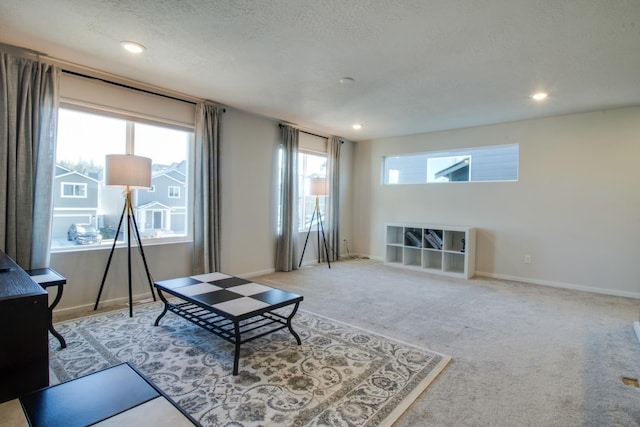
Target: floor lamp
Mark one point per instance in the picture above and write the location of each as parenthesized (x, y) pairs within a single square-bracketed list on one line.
[(128, 171), (317, 187)]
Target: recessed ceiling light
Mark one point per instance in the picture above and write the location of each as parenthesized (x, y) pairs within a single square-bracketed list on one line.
[(539, 96), (133, 47), (347, 80), (357, 126)]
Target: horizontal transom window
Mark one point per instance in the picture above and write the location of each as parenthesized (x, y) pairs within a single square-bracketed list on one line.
[(479, 164)]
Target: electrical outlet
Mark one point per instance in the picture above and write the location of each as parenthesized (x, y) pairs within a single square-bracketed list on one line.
[(527, 259)]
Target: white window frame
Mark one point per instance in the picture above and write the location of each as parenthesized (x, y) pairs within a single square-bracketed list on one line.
[(130, 149), (75, 185), (176, 189)]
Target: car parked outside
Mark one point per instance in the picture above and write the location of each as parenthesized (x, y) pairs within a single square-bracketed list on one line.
[(83, 234)]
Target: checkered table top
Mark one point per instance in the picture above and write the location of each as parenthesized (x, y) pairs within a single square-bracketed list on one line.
[(228, 295)]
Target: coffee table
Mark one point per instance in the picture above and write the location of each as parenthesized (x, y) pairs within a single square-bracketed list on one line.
[(235, 309)]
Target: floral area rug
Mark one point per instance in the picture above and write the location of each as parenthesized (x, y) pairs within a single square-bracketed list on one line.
[(339, 376)]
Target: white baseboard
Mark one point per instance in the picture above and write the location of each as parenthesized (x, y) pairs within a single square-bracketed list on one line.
[(258, 273), (86, 309), (602, 291)]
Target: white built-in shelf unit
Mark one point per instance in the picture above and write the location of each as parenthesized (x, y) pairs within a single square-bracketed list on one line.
[(441, 249)]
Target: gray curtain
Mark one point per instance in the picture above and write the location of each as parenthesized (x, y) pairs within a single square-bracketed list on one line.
[(333, 202), (28, 129), (206, 218), (287, 241)]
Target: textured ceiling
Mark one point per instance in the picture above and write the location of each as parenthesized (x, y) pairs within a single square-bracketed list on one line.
[(418, 65)]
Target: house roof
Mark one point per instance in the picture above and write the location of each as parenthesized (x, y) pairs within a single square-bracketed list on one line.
[(154, 205), (62, 172), (175, 171), (417, 65), (451, 169)]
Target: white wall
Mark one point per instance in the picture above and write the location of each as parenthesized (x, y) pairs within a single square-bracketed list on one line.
[(249, 192), (249, 197), (84, 270), (575, 208)]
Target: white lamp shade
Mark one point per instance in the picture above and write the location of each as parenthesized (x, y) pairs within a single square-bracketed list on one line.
[(127, 170), (318, 186)]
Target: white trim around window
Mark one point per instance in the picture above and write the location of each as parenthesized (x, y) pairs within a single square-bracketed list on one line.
[(174, 192), (78, 190)]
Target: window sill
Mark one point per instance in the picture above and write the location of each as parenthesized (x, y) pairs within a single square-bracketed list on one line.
[(121, 244)]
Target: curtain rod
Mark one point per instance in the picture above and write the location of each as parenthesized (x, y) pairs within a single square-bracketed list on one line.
[(310, 133), (304, 131), (62, 63), (75, 73)]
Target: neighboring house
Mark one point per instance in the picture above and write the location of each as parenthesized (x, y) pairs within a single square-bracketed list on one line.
[(456, 172), (75, 200), (162, 208)]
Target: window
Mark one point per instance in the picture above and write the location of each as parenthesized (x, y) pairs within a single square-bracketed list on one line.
[(496, 163), (310, 166), (174, 192), (70, 189), (85, 137)]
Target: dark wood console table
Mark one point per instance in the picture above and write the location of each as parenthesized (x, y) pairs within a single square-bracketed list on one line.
[(24, 349)]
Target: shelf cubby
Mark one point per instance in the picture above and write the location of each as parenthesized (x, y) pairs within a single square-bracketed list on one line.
[(432, 239), (453, 262), (455, 241), (411, 256), (431, 259), (395, 235), (413, 237), (394, 254)]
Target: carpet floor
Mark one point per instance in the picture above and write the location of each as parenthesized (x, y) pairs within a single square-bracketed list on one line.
[(523, 354)]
